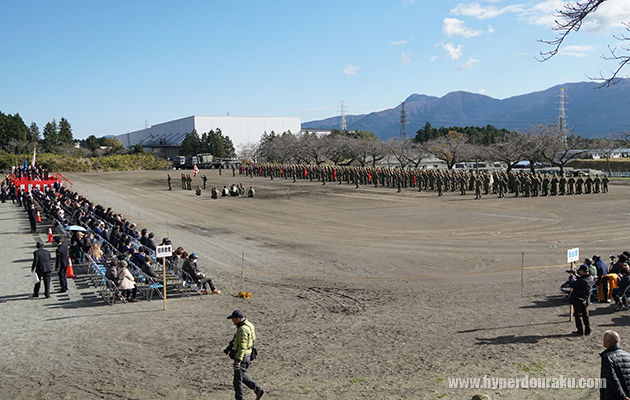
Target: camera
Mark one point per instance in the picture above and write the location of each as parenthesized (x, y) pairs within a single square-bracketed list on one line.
[(229, 350)]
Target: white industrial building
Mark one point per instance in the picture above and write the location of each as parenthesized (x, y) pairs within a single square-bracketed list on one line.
[(166, 138)]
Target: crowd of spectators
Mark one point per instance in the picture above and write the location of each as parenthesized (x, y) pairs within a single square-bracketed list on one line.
[(100, 235)]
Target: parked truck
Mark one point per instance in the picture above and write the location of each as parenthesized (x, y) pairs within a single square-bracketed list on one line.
[(205, 160)]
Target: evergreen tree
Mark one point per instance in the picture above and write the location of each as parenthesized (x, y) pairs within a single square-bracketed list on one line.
[(51, 136), (12, 129), (65, 133), (33, 133), (191, 144)]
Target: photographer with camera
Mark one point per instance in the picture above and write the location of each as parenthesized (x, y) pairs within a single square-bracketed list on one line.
[(582, 283), (241, 350), (610, 280)]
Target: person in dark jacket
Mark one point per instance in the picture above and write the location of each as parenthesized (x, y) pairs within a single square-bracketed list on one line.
[(190, 267), (61, 263), (41, 265), (602, 268), (580, 296), (32, 218), (619, 293), (615, 371)]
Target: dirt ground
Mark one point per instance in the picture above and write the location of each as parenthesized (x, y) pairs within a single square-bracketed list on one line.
[(357, 294)]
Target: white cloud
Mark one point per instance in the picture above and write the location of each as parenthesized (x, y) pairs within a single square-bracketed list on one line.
[(453, 52), (478, 11), (542, 13), (434, 58), (409, 2), (398, 42), (609, 14), (454, 26), (577, 51), (406, 58), (482, 91), (468, 64), (490, 29), (350, 70)]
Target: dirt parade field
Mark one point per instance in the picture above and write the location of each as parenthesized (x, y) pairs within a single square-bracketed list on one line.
[(357, 294)]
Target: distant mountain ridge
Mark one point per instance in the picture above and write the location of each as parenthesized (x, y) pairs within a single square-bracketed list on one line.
[(590, 112)]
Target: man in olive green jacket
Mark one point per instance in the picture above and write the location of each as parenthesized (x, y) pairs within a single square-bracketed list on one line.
[(242, 348)]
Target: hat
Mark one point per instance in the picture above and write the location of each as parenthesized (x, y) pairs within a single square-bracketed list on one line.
[(583, 267), (588, 261), (57, 239), (40, 245), (236, 314), (596, 257), (193, 255)]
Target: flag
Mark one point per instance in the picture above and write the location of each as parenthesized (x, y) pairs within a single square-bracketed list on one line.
[(195, 170), (33, 161), (491, 181), (25, 165)]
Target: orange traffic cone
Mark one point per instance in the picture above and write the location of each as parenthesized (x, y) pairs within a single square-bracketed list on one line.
[(70, 273), (39, 218), (50, 239)]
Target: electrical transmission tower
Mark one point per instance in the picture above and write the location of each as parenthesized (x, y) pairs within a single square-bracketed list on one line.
[(562, 118), (343, 117), (403, 122)]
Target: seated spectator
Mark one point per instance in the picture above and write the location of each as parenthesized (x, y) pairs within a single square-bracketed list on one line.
[(592, 269), (190, 267), (177, 256), (137, 257), (127, 284), (602, 268), (618, 293), (98, 229), (144, 236), (96, 253), (111, 271), (150, 243), (146, 267), (618, 266)]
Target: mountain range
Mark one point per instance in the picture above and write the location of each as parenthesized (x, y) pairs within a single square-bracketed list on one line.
[(590, 112)]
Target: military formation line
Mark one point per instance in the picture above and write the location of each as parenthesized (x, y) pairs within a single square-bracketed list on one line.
[(500, 183)]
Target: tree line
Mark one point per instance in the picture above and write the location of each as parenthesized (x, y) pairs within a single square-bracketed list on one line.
[(540, 144), (212, 142), (17, 138)]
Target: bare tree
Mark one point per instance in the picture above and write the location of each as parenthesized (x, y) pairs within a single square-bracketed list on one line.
[(451, 149), (400, 148), (571, 18), (514, 148), (416, 154), (607, 147), (248, 151), (377, 151), (337, 147), (556, 148), (311, 148)]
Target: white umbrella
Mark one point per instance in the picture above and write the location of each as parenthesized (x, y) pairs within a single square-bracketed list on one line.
[(76, 228)]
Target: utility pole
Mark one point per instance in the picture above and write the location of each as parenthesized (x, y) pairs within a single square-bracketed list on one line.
[(403, 122), (343, 116), (562, 118)]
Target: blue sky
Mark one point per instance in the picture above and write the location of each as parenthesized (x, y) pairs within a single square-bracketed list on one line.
[(110, 66)]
